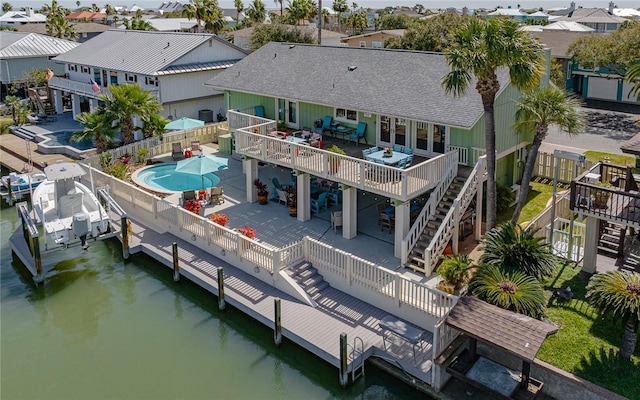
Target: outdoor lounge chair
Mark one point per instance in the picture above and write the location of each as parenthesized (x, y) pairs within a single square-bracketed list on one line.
[(195, 148), (359, 133), (385, 221), (282, 197), (34, 120), (188, 195), (320, 204), (326, 125), (176, 152), (216, 195)]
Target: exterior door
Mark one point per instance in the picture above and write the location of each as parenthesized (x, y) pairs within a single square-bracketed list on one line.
[(288, 112), (393, 130), (104, 77), (439, 139)]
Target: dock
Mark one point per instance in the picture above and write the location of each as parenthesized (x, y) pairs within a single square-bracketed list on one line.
[(14, 154)]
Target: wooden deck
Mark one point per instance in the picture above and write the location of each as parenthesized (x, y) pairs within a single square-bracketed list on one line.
[(315, 329), (13, 154)]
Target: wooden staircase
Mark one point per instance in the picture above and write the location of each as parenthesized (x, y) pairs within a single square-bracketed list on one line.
[(42, 103), (611, 240), (416, 257), (308, 278)]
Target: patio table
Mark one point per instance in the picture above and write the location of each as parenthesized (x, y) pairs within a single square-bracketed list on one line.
[(341, 130), (392, 160)]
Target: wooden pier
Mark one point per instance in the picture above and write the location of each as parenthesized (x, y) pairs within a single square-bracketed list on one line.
[(14, 152)]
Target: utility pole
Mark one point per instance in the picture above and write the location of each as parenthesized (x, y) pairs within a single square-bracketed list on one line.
[(320, 22)]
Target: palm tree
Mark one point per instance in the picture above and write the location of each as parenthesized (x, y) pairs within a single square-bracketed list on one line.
[(126, 101), (281, 7), (536, 111), (239, 7), (618, 293), (13, 102), (513, 248), (98, 126), (198, 10), (6, 7), (511, 290), (138, 24), (154, 125), (57, 25), (340, 6), (214, 21), (257, 12), (479, 49), (633, 77)]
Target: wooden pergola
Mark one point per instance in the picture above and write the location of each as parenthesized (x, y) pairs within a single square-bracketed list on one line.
[(516, 334)]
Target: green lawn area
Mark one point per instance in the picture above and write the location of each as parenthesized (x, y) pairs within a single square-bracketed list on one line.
[(4, 123), (616, 159), (587, 344), (537, 198)]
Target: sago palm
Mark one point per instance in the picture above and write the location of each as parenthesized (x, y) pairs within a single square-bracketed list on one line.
[(618, 293), (633, 77), (126, 101), (512, 290), (98, 126), (514, 248), (479, 49), (536, 111)]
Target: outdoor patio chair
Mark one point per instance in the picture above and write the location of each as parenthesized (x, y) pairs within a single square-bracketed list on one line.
[(216, 195), (320, 203), (385, 221), (334, 196), (305, 133), (326, 125), (34, 120), (398, 148), (359, 133), (176, 152), (259, 111), (282, 197), (188, 195), (195, 148), (336, 220), (409, 161), (407, 150)]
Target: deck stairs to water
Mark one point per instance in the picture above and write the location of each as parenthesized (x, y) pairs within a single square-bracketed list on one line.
[(611, 240), (416, 257), (42, 103), (631, 263), (308, 278)]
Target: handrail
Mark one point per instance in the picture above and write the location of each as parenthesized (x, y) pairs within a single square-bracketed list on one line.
[(69, 85)]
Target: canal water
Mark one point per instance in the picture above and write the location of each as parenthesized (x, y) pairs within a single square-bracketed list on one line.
[(103, 328)]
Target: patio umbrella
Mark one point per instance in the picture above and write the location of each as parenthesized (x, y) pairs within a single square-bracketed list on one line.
[(201, 165), (183, 123)]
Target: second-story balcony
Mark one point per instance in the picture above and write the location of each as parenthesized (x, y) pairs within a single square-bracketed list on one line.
[(608, 192), (75, 87)]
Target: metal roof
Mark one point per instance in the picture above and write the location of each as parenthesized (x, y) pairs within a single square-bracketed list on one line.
[(25, 45), (22, 17), (79, 27), (140, 52), (179, 69), (593, 16), (515, 333), (401, 83)]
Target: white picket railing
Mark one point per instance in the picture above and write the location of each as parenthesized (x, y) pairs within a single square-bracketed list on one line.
[(463, 154)]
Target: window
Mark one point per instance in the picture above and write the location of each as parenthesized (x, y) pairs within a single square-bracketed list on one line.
[(363, 43), (131, 78), (73, 67), (151, 80), (376, 45), (97, 76), (113, 77), (346, 115), (86, 70)]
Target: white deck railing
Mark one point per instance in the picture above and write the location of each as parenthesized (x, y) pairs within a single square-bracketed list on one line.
[(397, 183), (463, 154), (76, 87)]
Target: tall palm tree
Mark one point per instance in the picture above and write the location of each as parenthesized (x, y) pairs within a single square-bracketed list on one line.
[(198, 10), (154, 125), (214, 21), (281, 6), (536, 111), (57, 25), (618, 293), (138, 24), (340, 6), (239, 7), (126, 101), (98, 126), (514, 248), (633, 77), (257, 12), (511, 290), (479, 49)]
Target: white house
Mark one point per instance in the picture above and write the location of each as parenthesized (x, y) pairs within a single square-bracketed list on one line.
[(16, 18), (172, 65)]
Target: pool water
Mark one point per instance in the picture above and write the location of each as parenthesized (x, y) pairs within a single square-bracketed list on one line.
[(164, 177), (63, 138)]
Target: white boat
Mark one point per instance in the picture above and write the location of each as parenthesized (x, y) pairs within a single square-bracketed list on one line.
[(67, 209), (21, 182)]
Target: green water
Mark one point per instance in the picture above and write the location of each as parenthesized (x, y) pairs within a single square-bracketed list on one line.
[(102, 328)]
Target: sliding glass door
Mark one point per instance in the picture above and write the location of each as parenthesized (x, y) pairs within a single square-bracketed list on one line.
[(288, 112)]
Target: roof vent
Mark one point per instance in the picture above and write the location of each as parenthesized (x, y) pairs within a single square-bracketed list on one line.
[(292, 46), (352, 68)]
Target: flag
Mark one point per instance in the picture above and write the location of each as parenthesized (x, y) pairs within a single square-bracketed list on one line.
[(94, 86), (49, 75)]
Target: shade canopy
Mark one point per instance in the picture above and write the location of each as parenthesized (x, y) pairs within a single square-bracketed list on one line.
[(201, 165), (184, 123)]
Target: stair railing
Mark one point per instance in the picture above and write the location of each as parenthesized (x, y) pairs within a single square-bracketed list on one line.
[(35, 97), (427, 212), (451, 220)]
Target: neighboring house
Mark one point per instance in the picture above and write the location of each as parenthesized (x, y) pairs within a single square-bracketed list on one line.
[(567, 26), (22, 52), (372, 39), (538, 16), (600, 84), (85, 30), (558, 42), (242, 37), (170, 6), (172, 65), (629, 13), (174, 24), (512, 13), (600, 19), (15, 18), (79, 16)]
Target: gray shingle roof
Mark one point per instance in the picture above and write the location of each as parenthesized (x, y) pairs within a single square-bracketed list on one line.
[(140, 52), (24, 45), (513, 332), (389, 82)]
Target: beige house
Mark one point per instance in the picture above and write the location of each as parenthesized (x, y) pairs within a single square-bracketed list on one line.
[(372, 39)]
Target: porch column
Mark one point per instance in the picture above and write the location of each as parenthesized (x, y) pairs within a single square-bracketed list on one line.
[(403, 223), (57, 101), (93, 104), (75, 105), (590, 245), (303, 183), (479, 211), (251, 174), (349, 212)]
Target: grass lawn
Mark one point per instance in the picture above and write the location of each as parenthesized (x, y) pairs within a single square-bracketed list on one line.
[(616, 159), (537, 198), (586, 344)]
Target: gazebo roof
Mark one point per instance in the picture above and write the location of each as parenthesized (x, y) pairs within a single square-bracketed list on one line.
[(515, 333)]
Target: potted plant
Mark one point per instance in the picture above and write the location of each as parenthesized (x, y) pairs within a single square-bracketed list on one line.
[(281, 125), (601, 196), (193, 205), (248, 232), (292, 200), (263, 194), (388, 152), (334, 162), (219, 219), (454, 271)]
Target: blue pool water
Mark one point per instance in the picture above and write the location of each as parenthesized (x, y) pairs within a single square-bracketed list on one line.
[(63, 138), (165, 178)]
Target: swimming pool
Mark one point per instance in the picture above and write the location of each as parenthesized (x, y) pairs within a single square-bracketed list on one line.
[(164, 178), (60, 143)]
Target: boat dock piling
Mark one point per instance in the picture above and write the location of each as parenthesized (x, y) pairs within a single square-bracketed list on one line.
[(277, 323), (221, 301), (176, 264)]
